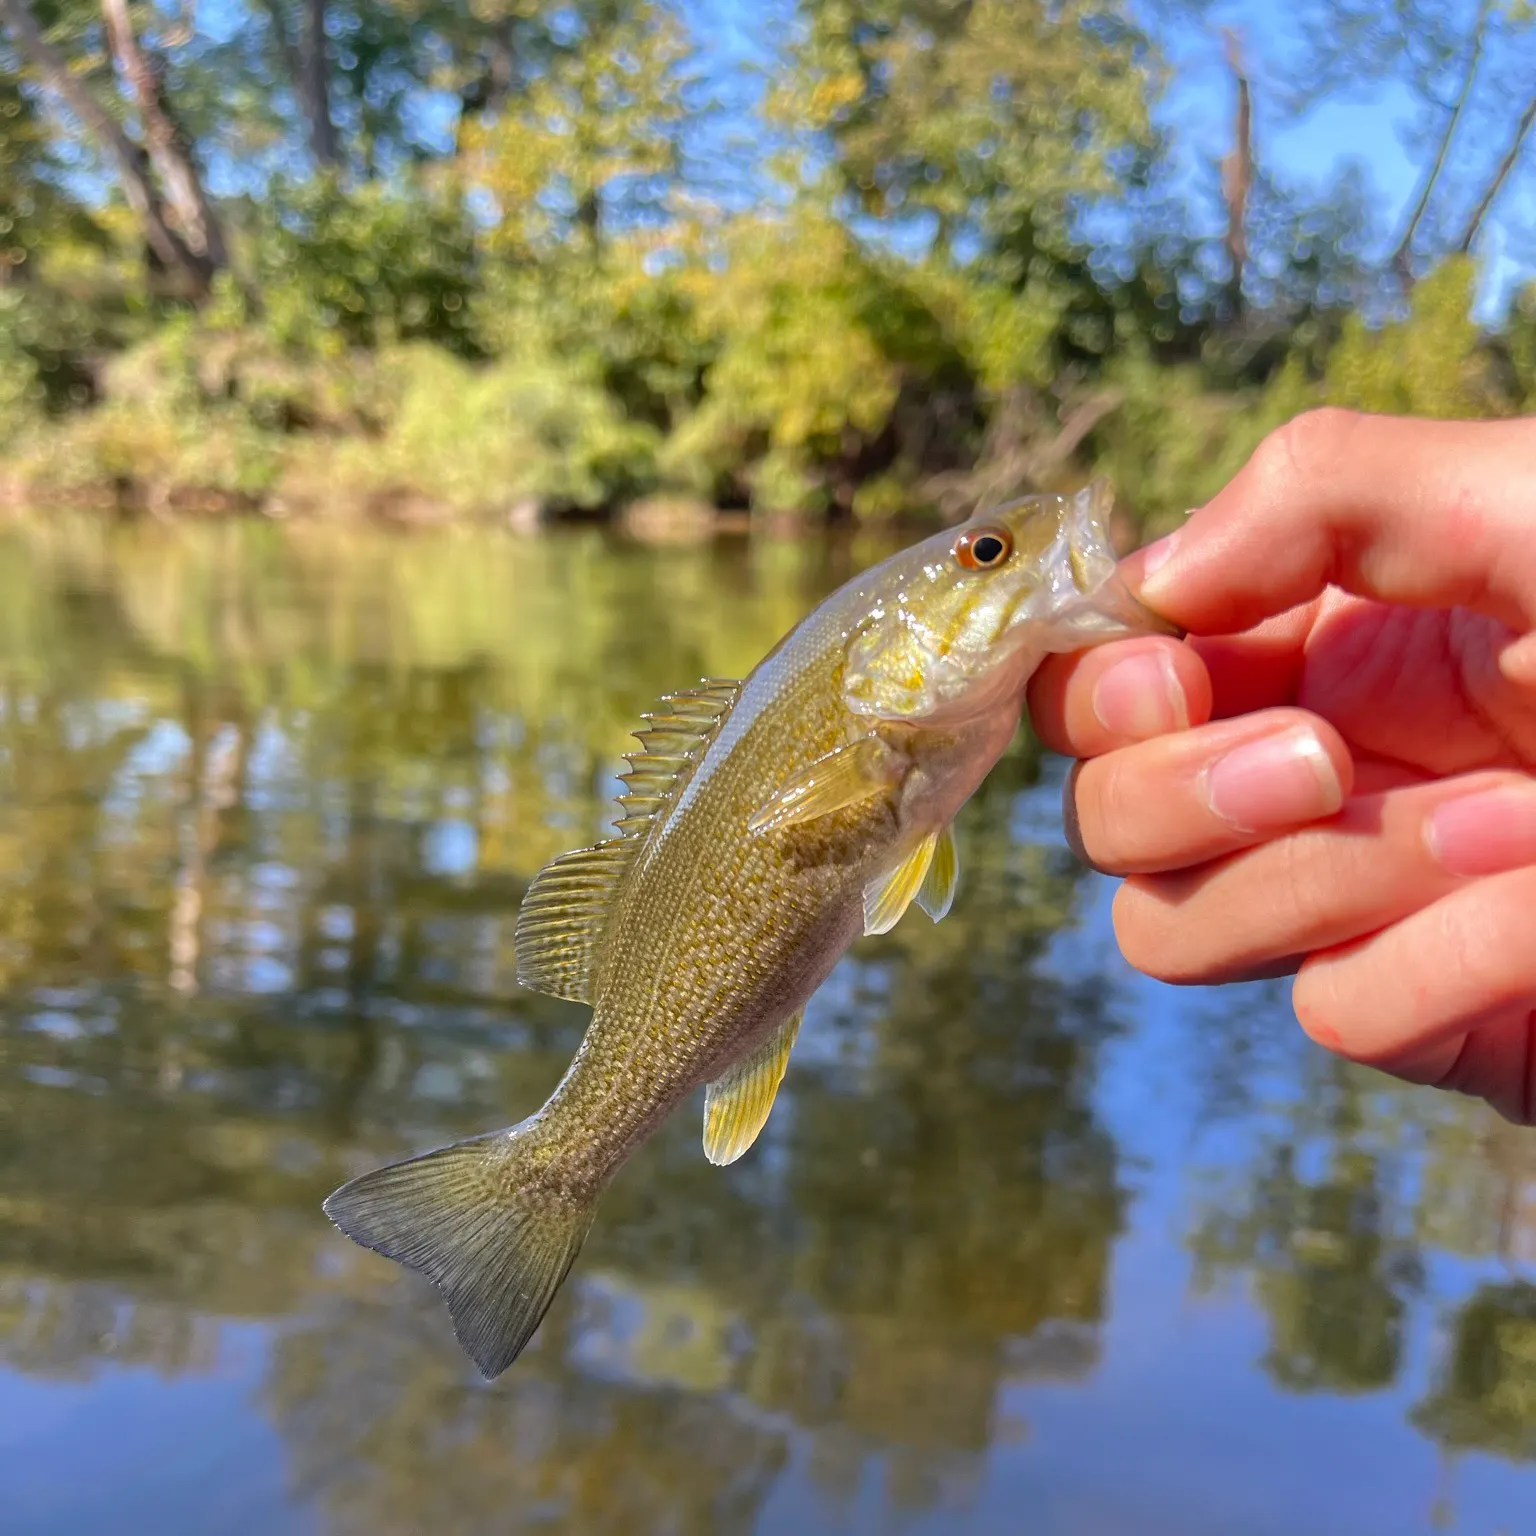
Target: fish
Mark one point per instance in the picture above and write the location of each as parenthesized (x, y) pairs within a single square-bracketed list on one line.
[(767, 824)]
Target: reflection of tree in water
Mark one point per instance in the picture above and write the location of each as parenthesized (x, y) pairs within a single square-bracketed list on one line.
[(270, 814), (1484, 1395), (1320, 1219), (385, 1431), (933, 1188)]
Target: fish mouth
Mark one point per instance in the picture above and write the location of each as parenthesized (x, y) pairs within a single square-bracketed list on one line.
[(1084, 598)]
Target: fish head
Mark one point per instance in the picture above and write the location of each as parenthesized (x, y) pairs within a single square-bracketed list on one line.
[(956, 624)]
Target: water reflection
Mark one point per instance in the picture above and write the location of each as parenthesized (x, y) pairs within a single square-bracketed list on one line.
[(268, 801)]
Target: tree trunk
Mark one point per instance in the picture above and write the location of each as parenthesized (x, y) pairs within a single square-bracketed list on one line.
[(165, 243), (486, 93), (1237, 174), (315, 87), (168, 148)]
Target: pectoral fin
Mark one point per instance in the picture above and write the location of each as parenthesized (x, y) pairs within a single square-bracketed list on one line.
[(737, 1103), (937, 893), (845, 777), (887, 896)]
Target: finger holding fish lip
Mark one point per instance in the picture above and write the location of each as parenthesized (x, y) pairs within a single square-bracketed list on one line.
[(1115, 695), (1382, 858), (1183, 800)]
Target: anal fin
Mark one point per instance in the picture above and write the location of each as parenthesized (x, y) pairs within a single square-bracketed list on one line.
[(738, 1102)]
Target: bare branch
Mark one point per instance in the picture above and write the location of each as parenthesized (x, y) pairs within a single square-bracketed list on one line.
[(1402, 257), (1500, 176), (1237, 170)]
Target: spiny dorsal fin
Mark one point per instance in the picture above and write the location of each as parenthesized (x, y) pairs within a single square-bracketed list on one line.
[(561, 921), (563, 918), (738, 1102), (676, 734)]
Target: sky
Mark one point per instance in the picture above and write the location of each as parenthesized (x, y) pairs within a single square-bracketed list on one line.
[(1368, 130), (1198, 108)]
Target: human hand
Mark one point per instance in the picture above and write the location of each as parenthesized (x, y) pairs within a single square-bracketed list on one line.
[(1334, 776)]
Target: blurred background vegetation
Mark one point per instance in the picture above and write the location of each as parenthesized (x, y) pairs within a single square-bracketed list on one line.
[(508, 259)]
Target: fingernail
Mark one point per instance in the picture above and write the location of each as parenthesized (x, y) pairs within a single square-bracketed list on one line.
[(1517, 661), (1485, 832), (1153, 559), (1280, 781), (1140, 697)]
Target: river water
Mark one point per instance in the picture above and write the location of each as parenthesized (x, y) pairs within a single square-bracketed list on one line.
[(1030, 1244)]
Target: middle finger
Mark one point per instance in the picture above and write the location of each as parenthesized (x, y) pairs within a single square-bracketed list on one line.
[(1181, 800), (1382, 858)]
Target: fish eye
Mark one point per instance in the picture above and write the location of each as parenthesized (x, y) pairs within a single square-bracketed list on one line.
[(980, 549)]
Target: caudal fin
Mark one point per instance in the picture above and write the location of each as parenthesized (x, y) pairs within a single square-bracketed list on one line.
[(481, 1220)]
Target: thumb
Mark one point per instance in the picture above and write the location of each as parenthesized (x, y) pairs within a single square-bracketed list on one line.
[(1431, 514)]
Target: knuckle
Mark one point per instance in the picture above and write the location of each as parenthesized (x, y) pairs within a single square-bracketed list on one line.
[(1307, 444), (1293, 890)]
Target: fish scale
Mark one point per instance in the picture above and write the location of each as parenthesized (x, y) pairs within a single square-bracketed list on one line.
[(765, 825)]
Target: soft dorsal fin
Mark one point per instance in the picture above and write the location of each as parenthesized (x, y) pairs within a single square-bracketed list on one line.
[(561, 921), (563, 917), (738, 1102)]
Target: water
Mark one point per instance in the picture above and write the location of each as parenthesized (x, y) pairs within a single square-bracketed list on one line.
[(1030, 1244)]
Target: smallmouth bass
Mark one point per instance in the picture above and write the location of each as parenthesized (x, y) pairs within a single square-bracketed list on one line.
[(767, 824)]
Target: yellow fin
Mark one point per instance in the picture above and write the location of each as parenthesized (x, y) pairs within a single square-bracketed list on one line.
[(937, 893), (737, 1103), (841, 778), (561, 921), (887, 896)]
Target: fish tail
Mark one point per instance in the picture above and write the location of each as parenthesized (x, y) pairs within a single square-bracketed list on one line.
[(486, 1222)]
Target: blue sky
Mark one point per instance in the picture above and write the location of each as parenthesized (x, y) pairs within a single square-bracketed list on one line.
[(1368, 130), (1199, 109)]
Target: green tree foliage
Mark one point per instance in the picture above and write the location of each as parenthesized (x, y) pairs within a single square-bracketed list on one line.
[(992, 118), (339, 256)]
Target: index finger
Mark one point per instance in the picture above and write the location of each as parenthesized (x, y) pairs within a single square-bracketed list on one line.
[(1110, 696), (1085, 703), (1433, 514)]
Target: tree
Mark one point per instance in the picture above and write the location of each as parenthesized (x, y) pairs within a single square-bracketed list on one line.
[(179, 227), (989, 121), (1469, 66)]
